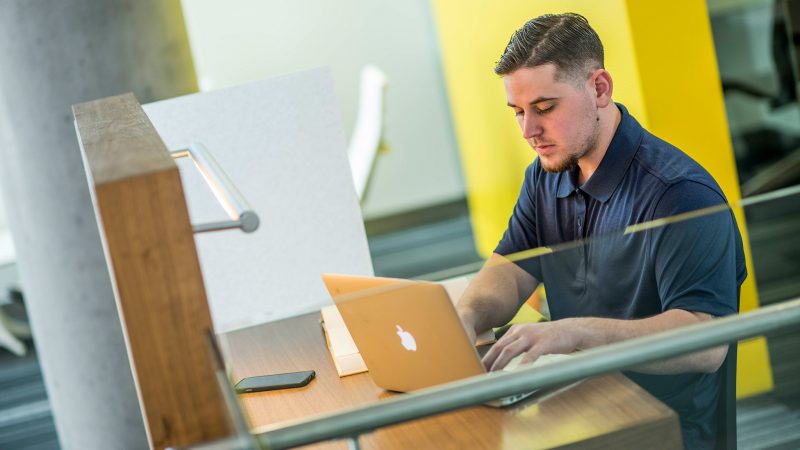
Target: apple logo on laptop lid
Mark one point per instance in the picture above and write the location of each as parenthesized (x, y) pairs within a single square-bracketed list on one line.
[(406, 339)]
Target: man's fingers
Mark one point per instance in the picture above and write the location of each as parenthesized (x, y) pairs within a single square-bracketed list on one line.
[(531, 355), (494, 351), (492, 360), (507, 354), (491, 355)]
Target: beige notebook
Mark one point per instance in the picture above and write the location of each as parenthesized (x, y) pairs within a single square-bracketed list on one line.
[(345, 355), (343, 350)]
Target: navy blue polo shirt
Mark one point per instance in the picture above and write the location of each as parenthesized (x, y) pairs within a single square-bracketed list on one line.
[(598, 270)]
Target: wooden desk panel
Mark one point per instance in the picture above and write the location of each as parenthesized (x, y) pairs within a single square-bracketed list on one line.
[(604, 412), (144, 223)]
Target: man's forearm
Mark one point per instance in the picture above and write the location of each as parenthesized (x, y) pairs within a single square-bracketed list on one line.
[(486, 305), (495, 294), (594, 332)]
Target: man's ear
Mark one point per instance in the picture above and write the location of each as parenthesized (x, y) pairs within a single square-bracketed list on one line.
[(602, 87)]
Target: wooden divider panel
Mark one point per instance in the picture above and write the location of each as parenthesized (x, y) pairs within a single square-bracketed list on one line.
[(141, 209)]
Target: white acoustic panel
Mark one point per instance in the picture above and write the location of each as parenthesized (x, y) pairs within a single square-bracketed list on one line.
[(281, 142)]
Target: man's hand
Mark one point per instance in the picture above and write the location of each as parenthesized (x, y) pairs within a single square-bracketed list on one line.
[(535, 340), (581, 333)]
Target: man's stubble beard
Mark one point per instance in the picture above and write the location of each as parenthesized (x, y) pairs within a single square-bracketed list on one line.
[(567, 164), (570, 162)]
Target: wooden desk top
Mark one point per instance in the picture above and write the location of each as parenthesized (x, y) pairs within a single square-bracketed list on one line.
[(605, 412)]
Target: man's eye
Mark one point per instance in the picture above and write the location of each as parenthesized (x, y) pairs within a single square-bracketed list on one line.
[(546, 110), (517, 113)]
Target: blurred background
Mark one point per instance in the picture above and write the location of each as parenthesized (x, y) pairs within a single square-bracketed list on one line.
[(448, 163)]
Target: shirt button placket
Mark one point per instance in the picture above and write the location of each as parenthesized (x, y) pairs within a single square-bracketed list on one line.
[(580, 216)]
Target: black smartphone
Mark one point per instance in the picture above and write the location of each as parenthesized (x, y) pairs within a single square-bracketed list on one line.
[(273, 382)]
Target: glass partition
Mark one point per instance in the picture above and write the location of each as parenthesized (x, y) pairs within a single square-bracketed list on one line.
[(617, 284)]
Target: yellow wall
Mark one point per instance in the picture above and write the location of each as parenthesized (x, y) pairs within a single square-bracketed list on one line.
[(662, 60)]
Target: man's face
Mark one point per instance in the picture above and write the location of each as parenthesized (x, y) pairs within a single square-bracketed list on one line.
[(559, 119)]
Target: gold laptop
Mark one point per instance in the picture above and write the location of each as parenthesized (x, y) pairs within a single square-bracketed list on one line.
[(408, 332)]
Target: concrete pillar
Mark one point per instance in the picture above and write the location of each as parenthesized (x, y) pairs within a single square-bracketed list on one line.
[(54, 53)]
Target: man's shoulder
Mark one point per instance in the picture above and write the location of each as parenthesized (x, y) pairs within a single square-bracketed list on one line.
[(687, 195), (676, 170)]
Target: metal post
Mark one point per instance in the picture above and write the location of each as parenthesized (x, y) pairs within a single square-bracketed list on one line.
[(353, 443)]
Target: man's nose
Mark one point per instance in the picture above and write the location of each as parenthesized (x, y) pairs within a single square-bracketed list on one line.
[(530, 127)]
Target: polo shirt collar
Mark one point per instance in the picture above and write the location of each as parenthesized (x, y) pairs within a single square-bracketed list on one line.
[(612, 168)]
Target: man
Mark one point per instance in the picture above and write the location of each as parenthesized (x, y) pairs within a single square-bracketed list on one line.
[(597, 172)]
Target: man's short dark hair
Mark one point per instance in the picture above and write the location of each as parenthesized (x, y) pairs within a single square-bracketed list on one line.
[(564, 40)]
